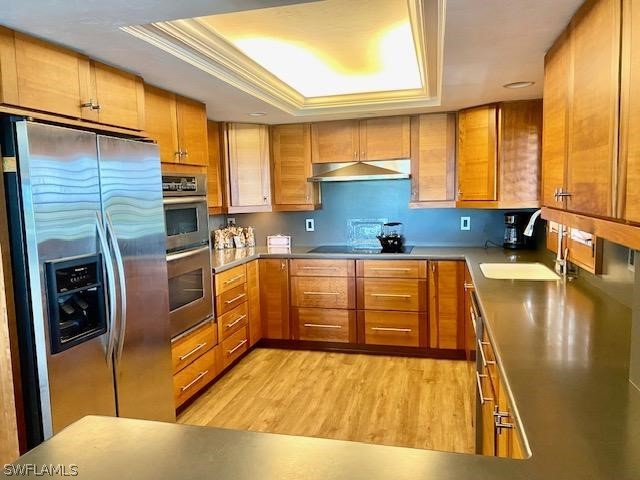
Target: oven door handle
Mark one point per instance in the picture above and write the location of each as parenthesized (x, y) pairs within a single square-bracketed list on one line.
[(189, 253), (182, 200)]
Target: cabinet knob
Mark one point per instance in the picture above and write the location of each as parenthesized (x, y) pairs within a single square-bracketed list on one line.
[(459, 193)]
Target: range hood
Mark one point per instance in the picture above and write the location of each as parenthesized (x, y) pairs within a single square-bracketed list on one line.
[(350, 171)]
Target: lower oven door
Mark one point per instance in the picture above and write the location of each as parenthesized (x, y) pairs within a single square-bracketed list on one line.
[(187, 221), (190, 293)]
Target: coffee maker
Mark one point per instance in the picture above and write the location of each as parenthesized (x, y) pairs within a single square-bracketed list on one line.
[(515, 223)]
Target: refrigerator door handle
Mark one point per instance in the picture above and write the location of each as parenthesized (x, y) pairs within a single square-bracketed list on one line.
[(111, 288), (123, 288)]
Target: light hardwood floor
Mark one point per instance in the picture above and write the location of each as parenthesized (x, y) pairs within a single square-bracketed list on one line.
[(409, 402)]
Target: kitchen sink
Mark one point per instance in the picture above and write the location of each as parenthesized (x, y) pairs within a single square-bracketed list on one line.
[(518, 271)]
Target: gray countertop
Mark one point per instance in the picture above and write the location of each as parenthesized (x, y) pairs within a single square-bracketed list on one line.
[(563, 350)]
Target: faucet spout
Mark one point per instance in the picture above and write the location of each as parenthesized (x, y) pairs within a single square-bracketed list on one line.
[(528, 231)]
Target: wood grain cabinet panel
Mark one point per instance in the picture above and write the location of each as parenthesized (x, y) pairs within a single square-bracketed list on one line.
[(230, 299), (233, 321), (192, 131), (187, 348), (215, 172), (322, 268), (385, 138), (392, 294), (477, 156), (323, 292), (161, 122), (593, 125), (234, 346), (392, 268), (8, 71), (274, 298), (191, 379), (446, 301), (324, 325), (555, 108), (433, 159), (337, 141), (120, 96), (392, 328), (291, 163), (231, 278)]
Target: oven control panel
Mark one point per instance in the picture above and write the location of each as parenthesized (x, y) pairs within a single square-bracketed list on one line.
[(174, 183)]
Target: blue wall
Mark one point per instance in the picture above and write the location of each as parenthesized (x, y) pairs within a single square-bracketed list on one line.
[(389, 199)]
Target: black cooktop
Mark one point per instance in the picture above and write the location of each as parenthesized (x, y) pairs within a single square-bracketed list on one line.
[(350, 249)]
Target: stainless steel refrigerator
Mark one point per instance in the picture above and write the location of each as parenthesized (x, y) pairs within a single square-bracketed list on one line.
[(90, 276)]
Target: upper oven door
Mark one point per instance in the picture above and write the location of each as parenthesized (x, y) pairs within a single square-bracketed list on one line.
[(186, 219), (190, 291)]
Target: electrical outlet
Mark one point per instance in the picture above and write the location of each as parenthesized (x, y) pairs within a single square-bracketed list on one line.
[(231, 221), (465, 223), (310, 225)]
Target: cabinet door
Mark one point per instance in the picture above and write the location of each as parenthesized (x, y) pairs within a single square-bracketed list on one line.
[(215, 177), (555, 108), (253, 302), (433, 158), (385, 138), (120, 96), (48, 77), (161, 122), (291, 157), (249, 165), (446, 319), (192, 132), (629, 186), (470, 318), (274, 298), (477, 161), (520, 139), (335, 141), (594, 108)]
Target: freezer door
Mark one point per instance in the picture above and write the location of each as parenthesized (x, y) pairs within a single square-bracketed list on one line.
[(130, 181), (58, 174)]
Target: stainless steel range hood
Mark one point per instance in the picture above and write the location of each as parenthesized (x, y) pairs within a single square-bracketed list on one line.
[(350, 171)]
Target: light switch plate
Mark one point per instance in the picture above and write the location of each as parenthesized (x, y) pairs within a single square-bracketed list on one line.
[(465, 223), (231, 221), (310, 225)]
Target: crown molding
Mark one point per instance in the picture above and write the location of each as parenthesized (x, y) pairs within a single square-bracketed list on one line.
[(194, 42)]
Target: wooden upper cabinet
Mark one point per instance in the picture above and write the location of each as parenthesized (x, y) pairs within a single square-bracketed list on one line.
[(161, 122), (433, 138), (555, 107), (593, 124), (385, 138), (477, 156), (629, 185), (215, 176), (48, 77), (8, 74), (337, 141), (291, 163), (519, 146), (120, 96), (446, 302), (248, 159), (192, 131)]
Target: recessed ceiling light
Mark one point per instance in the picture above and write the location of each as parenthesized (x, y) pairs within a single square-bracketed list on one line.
[(257, 114), (518, 84)]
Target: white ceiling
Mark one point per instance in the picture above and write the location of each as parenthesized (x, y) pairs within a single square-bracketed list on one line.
[(487, 43)]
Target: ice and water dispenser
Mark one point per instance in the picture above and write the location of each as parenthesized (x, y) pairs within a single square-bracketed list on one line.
[(76, 298)]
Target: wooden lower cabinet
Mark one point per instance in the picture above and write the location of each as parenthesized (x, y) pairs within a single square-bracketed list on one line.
[(446, 304), (274, 298), (233, 321), (487, 422), (231, 278), (323, 292), (230, 299), (322, 268), (323, 325), (187, 348), (234, 346), (253, 302), (406, 329), (397, 294), (190, 380)]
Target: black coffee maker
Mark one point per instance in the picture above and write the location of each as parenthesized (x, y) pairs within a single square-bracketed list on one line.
[(514, 225)]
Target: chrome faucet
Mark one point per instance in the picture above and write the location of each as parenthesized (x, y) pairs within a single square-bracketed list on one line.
[(561, 263)]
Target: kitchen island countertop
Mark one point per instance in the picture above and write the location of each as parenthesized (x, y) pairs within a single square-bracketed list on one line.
[(563, 348)]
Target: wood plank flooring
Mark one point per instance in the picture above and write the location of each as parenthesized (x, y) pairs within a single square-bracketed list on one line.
[(408, 402)]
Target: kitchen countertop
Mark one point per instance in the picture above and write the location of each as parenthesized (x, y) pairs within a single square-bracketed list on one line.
[(563, 349)]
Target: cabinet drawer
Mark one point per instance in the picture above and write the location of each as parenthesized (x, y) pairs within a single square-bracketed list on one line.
[(232, 321), (322, 268), (230, 299), (231, 278), (391, 328), (234, 346), (392, 268), (488, 361), (324, 325), (188, 347), (323, 292), (190, 380), (392, 294)]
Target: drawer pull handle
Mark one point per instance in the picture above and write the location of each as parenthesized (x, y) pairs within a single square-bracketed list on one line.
[(194, 381), (318, 325), (483, 399), (391, 329), (498, 416), (235, 299), (468, 286), (187, 355), (321, 293), (391, 269), (473, 321), (392, 295), (233, 350), (236, 321), (485, 362), (233, 279), (319, 268)]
